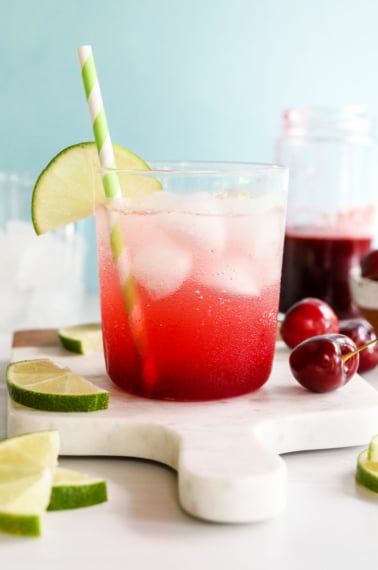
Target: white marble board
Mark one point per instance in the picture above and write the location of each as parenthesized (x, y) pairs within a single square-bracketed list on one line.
[(227, 453)]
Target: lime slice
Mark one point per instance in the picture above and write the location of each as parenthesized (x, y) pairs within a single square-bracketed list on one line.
[(373, 449), (27, 465), (73, 490), (70, 187), (82, 339), (43, 385), (367, 466)]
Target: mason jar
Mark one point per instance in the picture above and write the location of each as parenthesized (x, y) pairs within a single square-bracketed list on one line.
[(333, 193)]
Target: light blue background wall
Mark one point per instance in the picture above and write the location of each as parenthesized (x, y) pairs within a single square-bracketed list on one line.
[(180, 78)]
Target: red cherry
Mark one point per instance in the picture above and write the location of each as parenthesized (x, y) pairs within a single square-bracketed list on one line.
[(320, 363), (307, 318), (369, 265), (362, 332)]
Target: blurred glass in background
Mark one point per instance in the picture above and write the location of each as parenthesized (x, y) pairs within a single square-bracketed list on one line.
[(42, 278)]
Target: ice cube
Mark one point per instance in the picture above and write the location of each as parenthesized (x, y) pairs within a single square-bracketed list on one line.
[(123, 267), (12, 306), (161, 267), (258, 234), (42, 276), (54, 307), (14, 238), (206, 234), (231, 275), (139, 231), (200, 203), (261, 242), (154, 202), (50, 259), (191, 220), (159, 202)]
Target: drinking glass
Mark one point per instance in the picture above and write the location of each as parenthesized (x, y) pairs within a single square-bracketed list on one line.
[(41, 283), (190, 278)]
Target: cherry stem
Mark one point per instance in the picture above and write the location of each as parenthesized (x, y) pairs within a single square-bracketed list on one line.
[(346, 357)]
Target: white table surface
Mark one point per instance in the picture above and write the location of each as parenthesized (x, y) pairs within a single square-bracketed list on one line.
[(328, 522)]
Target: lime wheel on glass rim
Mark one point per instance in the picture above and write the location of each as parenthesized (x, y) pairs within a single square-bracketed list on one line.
[(70, 186)]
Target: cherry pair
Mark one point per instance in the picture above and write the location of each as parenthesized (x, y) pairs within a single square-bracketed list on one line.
[(327, 352)]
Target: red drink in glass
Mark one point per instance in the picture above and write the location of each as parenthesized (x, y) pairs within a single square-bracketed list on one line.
[(205, 274)]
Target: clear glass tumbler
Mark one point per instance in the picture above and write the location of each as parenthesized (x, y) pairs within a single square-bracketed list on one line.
[(190, 273), (41, 279)]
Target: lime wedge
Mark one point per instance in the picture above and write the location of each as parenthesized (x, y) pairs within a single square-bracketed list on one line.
[(73, 490), (367, 466), (373, 449), (27, 465), (82, 339), (43, 385), (70, 187)]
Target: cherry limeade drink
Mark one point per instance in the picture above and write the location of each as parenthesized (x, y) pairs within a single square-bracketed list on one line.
[(202, 275), (319, 266)]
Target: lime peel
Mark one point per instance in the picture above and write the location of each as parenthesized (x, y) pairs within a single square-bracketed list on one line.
[(373, 449), (22, 525), (74, 490), (367, 466)]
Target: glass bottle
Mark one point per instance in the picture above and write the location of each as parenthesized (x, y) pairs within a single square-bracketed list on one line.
[(333, 197)]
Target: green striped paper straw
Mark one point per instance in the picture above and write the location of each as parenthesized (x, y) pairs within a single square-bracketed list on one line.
[(99, 122), (104, 146), (112, 190)]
